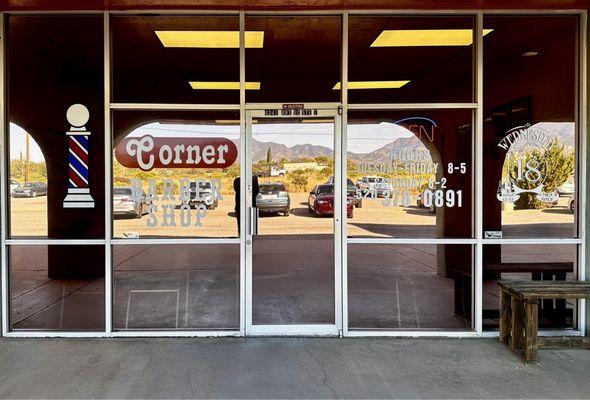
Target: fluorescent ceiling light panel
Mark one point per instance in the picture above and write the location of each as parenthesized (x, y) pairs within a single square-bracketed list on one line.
[(425, 37), (210, 39), (373, 85), (223, 85)]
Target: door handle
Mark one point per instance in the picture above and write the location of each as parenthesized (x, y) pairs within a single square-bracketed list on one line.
[(253, 221)]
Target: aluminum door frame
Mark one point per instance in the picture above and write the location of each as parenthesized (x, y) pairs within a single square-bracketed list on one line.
[(258, 111)]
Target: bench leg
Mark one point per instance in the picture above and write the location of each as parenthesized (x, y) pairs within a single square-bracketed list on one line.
[(505, 317), (516, 324), (531, 326)]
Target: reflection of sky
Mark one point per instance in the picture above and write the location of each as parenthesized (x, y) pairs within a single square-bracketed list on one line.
[(362, 138), (157, 129), (17, 145), (366, 138)]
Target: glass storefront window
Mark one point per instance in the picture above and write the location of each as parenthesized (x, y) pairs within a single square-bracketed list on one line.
[(537, 262), (411, 173), (411, 287), (176, 165), (174, 174), (403, 59), (176, 287), (298, 62), (530, 130), (177, 59), (56, 287), (56, 131)]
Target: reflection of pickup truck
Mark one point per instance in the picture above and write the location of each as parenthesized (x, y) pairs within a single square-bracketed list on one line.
[(352, 192), (276, 171), (374, 184)]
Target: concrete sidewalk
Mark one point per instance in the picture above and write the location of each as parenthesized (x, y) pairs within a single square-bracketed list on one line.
[(284, 368)]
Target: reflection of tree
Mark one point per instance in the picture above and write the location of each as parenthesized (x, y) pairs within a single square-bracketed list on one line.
[(37, 171), (123, 175), (558, 166)]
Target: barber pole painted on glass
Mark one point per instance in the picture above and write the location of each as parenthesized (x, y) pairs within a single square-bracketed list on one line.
[(78, 189)]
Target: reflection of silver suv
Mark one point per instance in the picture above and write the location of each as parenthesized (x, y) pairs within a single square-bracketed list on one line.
[(273, 197), (205, 196), (124, 203)]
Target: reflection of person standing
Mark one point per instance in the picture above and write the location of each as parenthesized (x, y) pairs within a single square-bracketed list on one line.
[(255, 190)]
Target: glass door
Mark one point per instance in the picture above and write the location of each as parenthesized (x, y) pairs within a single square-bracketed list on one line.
[(293, 221)]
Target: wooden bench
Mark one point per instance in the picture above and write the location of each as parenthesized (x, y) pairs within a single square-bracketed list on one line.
[(519, 310)]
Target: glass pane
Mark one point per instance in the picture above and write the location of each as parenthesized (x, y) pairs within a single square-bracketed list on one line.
[(410, 286), (411, 172), (298, 62), (530, 131), (176, 286), (56, 131), (410, 59), (176, 59), (56, 287), (293, 248), (538, 262), (173, 173)]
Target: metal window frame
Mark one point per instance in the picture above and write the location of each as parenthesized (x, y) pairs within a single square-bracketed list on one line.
[(477, 106), (3, 180)]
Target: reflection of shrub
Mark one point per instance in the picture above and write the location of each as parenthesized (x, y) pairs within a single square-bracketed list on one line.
[(299, 179), (559, 164)]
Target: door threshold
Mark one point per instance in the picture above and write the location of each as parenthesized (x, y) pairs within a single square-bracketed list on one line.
[(293, 330)]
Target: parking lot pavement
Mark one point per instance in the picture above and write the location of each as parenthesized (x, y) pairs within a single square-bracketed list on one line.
[(29, 218), (284, 368)]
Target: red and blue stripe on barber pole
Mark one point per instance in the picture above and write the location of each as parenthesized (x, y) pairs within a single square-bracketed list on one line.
[(78, 161)]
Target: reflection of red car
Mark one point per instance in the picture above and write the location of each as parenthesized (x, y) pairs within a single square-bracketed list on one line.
[(321, 201)]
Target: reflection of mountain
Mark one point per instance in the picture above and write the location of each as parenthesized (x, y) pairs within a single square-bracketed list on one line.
[(280, 151), (565, 131), (382, 154), (301, 151)]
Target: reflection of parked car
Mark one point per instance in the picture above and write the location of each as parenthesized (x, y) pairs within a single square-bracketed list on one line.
[(205, 196), (420, 203), (124, 202), (567, 189), (351, 191), (13, 185), (321, 201), (273, 197), (572, 205), (30, 189), (375, 184)]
